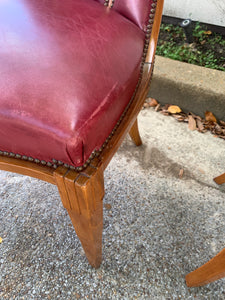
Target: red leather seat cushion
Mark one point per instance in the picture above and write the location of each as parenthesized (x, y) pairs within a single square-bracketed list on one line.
[(68, 69)]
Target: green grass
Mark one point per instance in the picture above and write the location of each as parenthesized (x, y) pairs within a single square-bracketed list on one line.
[(207, 50)]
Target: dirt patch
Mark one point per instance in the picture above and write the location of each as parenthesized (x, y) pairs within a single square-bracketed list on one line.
[(207, 48)]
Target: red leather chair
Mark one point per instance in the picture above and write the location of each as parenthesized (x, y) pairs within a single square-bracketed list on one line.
[(73, 77)]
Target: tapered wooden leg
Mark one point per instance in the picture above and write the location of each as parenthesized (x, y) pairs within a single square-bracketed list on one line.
[(82, 196), (220, 179), (134, 134), (209, 272)]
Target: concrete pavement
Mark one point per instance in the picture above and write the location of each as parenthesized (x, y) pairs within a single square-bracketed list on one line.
[(157, 226)]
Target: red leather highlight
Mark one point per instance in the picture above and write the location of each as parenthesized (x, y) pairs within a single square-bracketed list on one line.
[(67, 71), (135, 10)]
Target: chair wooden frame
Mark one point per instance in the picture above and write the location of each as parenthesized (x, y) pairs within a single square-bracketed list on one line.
[(82, 192), (214, 269)]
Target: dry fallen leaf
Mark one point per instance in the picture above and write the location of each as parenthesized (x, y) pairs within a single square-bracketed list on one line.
[(191, 123), (179, 118), (0, 240), (174, 109), (209, 116), (146, 105), (108, 206), (200, 125), (153, 102), (157, 107), (181, 173), (165, 113), (195, 122), (208, 32)]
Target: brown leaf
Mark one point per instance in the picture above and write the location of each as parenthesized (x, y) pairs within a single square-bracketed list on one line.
[(108, 206), (181, 173), (166, 106), (179, 118), (157, 107), (146, 105), (209, 116), (164, 113), (196, 117), (201, 170), (208, 32), (152, 102), (222, 123), (200, 125), (174, 109), (218, 129), (191, 123)]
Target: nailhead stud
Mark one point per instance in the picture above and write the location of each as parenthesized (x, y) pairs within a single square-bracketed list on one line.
[(97, 153)]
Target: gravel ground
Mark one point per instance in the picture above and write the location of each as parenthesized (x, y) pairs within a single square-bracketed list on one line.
[(157, 227)]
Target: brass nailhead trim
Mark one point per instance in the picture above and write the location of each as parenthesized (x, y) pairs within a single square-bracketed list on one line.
[(56, 163), (112, 3)]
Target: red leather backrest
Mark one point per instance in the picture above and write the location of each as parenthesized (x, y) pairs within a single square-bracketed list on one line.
[(101, 1), (138, 11)]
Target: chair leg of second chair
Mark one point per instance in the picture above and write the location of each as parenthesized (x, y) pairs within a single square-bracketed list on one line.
[(82, 196), (220, 179), (209, 272)]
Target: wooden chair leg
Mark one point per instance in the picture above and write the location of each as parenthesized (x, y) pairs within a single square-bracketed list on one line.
[(209, 272), (134, 134), (220, 179), (82, 196)]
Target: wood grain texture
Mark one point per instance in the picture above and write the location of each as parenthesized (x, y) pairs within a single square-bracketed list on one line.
[(82, 195), (27, 168), (134, 134), (209, 272), (155, 33), (220, 179)]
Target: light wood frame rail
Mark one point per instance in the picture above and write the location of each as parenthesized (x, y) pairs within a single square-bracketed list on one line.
[(214, 269)]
